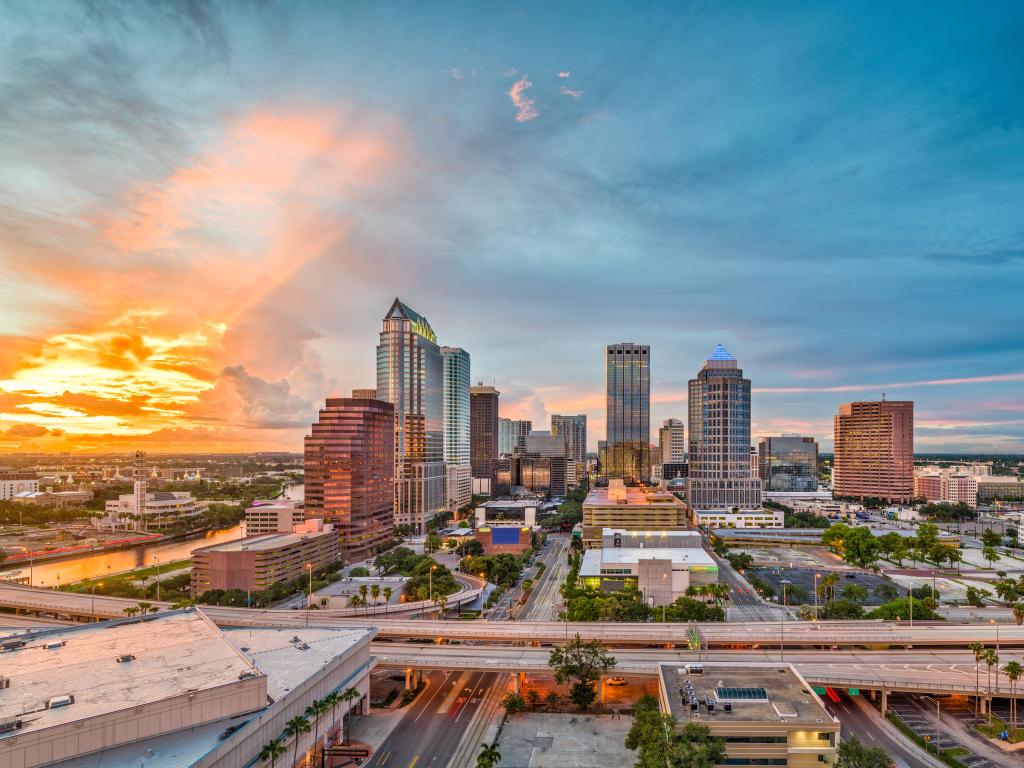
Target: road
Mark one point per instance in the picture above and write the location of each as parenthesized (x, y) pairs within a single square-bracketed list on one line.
[(544, 603), (433, 726), (854, 721), (745, 604)]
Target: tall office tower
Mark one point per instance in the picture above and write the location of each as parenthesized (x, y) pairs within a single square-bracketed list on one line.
[(483, 436), (672, 441), (574, 429), (520, 429), (505, 441), (350, 473), (409, 375), (628, 384), (544, 449), (719, 407), (874, 450), (788, 463), (459, 488)]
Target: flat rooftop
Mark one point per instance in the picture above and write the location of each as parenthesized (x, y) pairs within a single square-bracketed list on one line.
[(174, 653), (764, 693), (595, 559), (264, 543), (630, 496), (511, 504)]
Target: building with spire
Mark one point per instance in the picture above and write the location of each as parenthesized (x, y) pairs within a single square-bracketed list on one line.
[(410, 376), (720, 477)]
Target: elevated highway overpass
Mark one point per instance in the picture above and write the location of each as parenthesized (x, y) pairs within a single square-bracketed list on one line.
[(749, 635)]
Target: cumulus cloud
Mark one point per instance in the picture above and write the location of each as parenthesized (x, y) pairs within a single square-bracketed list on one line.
[(525, 110), (28, 431), (241, 399)]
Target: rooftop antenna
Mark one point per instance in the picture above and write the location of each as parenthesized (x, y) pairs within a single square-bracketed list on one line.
[(883, 397)]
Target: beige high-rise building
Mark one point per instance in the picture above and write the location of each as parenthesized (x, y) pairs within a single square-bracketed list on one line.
[(631, 508), (672, 441), (874, 450)]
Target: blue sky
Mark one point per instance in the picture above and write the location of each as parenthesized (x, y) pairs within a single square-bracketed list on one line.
[(218, 202)]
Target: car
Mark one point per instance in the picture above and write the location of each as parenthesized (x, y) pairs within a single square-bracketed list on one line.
[(616, 681)]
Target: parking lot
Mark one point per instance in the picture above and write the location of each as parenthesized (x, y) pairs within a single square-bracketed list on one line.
[(919, 714), (804, 579)]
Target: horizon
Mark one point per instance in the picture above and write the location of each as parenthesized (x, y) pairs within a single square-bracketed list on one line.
[(208, 212)]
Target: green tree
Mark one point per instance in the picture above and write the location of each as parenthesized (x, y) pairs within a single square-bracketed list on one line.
[(854, 754), (581, 664), (991, 659), (359, 571), (317, 708), (294, 728), (900, 609), (976, 596), (649, 733), (375, 593), (347, 697), (990, 554), (925, 540), (1013, 671), (860, 547), (855, 593), (513, 703), (834, 537), (893, 547), (695, 747), (1018, 613), (533, 696), (489, 756), (886, 592), (979, 653), (432, 543), (990, 538), (842, 609), (387, 591)]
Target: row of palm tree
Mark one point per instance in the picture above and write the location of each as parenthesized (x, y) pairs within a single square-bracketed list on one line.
[(374, 591), (300, 724), (1012, 669), (716, 592), (142, 608)]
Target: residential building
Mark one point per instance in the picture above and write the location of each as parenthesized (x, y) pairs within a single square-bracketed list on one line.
[(946, 485), (349, 473), (766, 713), (484, 436), (410, 376), (505, 441), (630, 508), (628, 406), (253, 564), (874, 451), (174, 690), (788, 463), (672, 442), (156, 511), (520, 429), (277, 516), (574, 430), (720, 477), (459, 485), (15, 483)]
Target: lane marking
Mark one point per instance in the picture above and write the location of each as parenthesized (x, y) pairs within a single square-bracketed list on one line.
[(414, 761)]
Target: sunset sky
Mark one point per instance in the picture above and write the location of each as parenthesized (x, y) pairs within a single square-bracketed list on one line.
[(207, 208)]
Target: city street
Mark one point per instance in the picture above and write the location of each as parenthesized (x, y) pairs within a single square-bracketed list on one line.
[(854, 721)]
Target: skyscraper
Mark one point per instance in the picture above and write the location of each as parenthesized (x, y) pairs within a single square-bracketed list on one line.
[(788, 463), (483, 436), (719, 408), (409, 375), (574, 429), (874, 450), (350, 471), (520, 429), (672, 441), (457, 427), (505, 441), (628, 385)]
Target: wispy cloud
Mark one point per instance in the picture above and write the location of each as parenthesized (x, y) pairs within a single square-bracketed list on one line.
[(570, 92), (564, 74), (525, 110), (1001, 377)]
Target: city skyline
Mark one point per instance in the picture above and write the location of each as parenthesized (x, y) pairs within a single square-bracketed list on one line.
[(206, 212)]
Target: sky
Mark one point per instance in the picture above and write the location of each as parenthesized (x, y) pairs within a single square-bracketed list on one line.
[(207, 208)]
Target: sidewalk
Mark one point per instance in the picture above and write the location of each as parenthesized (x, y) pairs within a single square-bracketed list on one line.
[(373, 728)]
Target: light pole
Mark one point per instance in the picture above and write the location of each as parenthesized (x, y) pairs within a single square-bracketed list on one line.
[(430, 582), (309, 599), (92, 609), (816, 577), (157, 578), (782, 627), (938, 721)]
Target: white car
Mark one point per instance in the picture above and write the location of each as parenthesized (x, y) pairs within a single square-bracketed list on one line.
[(616, 681)]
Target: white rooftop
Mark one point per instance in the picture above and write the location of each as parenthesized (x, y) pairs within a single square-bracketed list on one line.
[(595, 559), (264, 542)]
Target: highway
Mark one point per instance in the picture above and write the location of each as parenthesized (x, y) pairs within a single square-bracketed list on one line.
[(854, 721)]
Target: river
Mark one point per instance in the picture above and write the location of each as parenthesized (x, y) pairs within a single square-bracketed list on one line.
[(50, 573)]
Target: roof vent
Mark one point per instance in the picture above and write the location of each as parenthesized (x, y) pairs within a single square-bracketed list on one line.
[(248, 674), (125, 657), (65, 700)]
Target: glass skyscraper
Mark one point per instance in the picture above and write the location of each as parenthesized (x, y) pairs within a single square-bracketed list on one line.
[(457, 426), (574, 429), (410, 376), (719, 409), (788, 463), (628, 385)]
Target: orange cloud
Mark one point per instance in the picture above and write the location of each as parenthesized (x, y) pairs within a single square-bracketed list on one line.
[(525, 110)]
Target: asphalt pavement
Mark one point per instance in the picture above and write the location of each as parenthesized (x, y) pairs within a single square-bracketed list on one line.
[(853, 721)]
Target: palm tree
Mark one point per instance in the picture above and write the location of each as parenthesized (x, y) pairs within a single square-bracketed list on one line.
[(979, 651), (349, 695), (144, 607), (1013, 671), (718, 592), (332, 700), (272, 750), (388, 591), (991, 660), (314, 711), (130, 611), (1018, 613), (294, 728), (489, 756), (375, 593), (828, 584)]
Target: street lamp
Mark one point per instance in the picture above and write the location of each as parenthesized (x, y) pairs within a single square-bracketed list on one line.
[(309, 599), (938, 721), (157, 559), (816, 577), (92, 610)]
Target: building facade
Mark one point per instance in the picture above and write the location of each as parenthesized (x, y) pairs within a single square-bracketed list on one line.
[(719, 413), (410, 377), (483, 436), (672, 442), (574, 430), (628, 407), (505, 441), (788, 463), (520, 429), (457, 427), (350, 473), (630, 508), (874, 450), (156, 511), (14, 483), (278, 516)]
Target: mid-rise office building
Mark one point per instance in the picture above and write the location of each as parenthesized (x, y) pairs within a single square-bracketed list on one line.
[(720, 477), (520, 429), (946, 485), (999, 488), (410, 376), (505, 441), (630, 508), (672, 442), (152, 511), (628, 408), (874, 450), (14, 483), (484, 436), (350, 473), (277, 516), (788, 463), (459, 487), (574, 430)]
